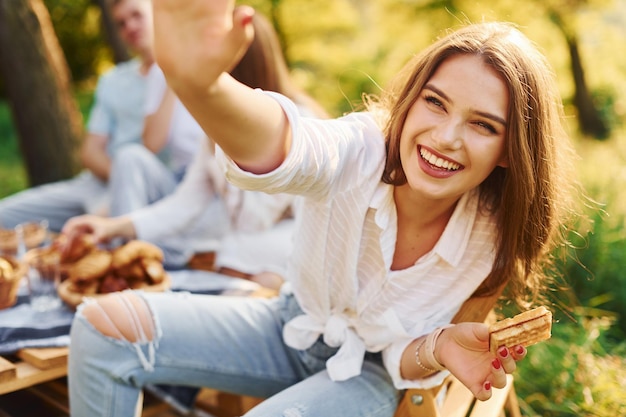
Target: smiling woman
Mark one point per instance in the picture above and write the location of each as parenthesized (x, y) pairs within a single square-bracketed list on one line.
[(451, 184)]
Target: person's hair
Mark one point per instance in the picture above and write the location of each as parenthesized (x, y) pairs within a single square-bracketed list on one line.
[(263, 66), (531, 198), (113, 3)]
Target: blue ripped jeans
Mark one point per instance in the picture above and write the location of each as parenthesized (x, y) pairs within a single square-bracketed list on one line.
[(231, 344)]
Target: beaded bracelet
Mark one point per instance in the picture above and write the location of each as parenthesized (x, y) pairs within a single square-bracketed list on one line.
[(417, 358), (429, 350)]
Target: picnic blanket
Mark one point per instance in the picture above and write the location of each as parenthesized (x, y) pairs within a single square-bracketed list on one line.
[(23, 327)]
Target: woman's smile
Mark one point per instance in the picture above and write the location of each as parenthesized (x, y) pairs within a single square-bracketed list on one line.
[(440, 165)]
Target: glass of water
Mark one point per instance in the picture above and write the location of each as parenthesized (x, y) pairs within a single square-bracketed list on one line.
[(43, 279)]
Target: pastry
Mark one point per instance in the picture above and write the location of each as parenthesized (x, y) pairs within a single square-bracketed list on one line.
[(72, 251), (154, 270), (524, 329), (11, 274), (135, 249), (6, 269), (92, 266)]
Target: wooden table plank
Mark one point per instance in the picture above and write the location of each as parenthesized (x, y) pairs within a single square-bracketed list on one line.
[(34, 367), (8, 371), (28, 375), (44, 358)]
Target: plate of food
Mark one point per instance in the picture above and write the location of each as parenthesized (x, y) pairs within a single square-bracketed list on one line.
[(134, 265)]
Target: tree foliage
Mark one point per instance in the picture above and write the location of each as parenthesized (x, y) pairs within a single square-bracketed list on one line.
[(339, 49), (78, 27)]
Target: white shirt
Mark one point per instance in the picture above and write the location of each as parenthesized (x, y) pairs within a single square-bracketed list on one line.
[(235, 211), (118, 105), (340, 270)]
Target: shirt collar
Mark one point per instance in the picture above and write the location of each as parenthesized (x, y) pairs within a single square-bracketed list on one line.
[(456, 235)]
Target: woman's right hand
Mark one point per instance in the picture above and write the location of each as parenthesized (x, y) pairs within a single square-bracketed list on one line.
[(198, 40)]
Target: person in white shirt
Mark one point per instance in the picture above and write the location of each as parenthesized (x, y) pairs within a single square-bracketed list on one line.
[(248, 232), (451, 185)]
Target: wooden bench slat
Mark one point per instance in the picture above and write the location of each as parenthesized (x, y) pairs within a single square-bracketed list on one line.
[(44, 358), (34, 367), (28, 375), (494, 407), (458, 400), (8, 371)]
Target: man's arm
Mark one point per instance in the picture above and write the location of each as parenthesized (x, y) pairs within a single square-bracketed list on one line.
[(94, 156), (157, 125)]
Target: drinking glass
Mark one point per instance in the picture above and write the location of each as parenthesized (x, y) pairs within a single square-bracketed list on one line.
[(43, 279)]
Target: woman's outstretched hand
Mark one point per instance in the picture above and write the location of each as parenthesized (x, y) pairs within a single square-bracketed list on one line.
[(197, 40), (464, 350)]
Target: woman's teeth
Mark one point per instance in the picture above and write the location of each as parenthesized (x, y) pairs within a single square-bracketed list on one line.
[(438, 162)]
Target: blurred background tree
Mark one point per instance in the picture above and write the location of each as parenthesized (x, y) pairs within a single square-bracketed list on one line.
[(39, 89)]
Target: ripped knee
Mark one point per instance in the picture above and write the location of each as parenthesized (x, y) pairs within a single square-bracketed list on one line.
[(122, 315)]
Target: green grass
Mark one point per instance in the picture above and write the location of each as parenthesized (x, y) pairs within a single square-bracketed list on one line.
[(581, 370)]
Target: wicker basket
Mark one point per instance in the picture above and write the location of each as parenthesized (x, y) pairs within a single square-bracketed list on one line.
[(10, 282)]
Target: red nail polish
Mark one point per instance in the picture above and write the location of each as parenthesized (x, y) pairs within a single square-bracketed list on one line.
[(520, 350), (496, 364), (246, 20), (504, 352), (487, 386)]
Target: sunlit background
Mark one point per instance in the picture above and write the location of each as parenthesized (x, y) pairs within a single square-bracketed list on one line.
[(339, 49)]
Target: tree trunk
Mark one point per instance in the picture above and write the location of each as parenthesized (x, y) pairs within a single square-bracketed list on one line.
[(588, 116), (120, 52), (37, 81), (589, 120)]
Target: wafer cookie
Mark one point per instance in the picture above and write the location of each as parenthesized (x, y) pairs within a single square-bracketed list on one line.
[(525, 329)]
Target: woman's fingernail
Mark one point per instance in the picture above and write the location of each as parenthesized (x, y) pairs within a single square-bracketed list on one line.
[(496, 364), (520, 350), (487, 386), (504, 352), (246, 20)]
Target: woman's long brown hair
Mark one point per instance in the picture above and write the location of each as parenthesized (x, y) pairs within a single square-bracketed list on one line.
[(531, 199)]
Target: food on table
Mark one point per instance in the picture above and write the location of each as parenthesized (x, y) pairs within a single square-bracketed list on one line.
[(134, 265), (11, 274)]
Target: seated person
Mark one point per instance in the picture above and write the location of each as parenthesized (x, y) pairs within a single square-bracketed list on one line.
[(202, 211), (143, 174), (115, 121), (205, 211)]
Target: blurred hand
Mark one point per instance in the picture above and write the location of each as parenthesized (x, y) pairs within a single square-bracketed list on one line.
[(101, 229)]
